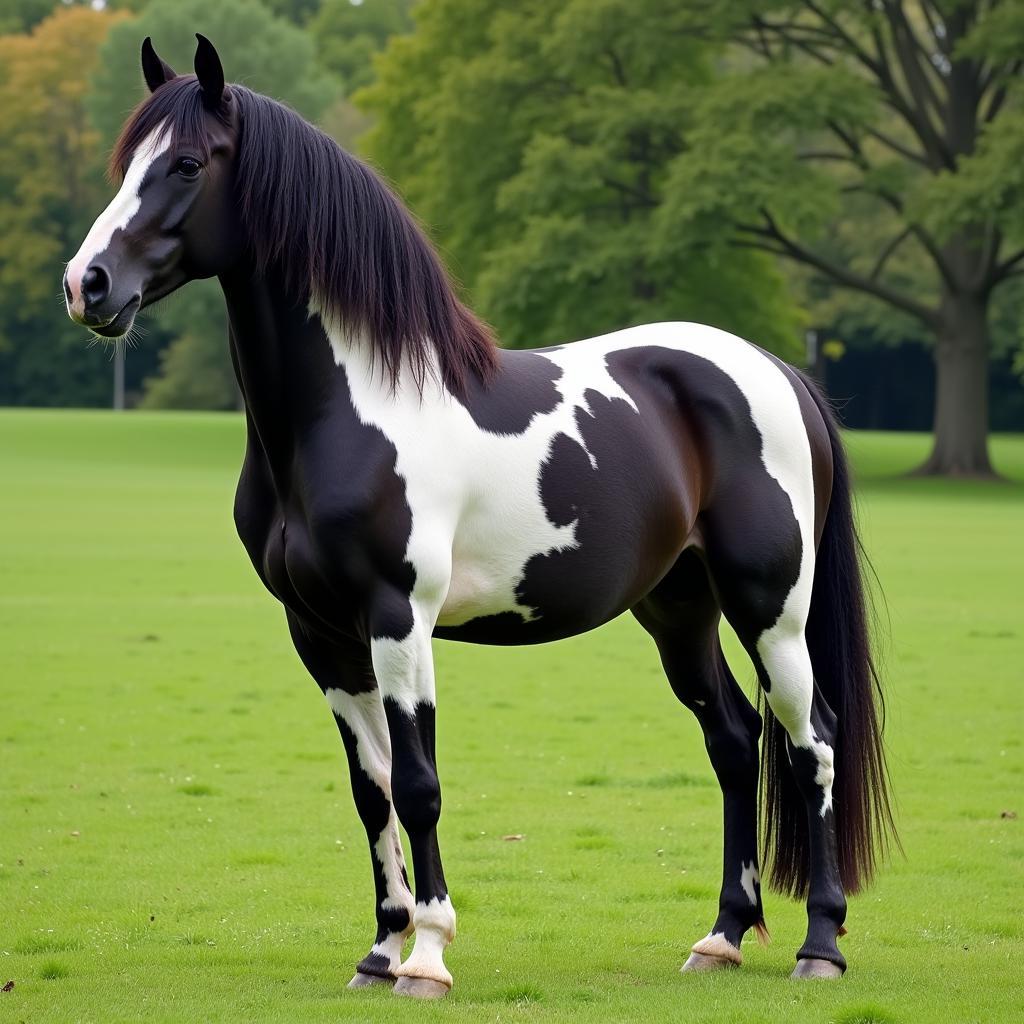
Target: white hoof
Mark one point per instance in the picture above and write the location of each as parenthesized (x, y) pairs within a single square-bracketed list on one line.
[(421, 988), (704, 962)]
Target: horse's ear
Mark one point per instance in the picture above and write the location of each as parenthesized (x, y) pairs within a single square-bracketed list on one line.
[(209, 72), (156, 71)]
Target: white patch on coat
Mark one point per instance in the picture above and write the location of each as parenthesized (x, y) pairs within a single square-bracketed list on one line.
[(716, 944), (749, 878), (825, 775), (391, 950), (363, 713), (117, 215), (435, 928), (405, 668)]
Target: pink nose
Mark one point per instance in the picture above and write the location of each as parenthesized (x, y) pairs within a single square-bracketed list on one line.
[(94, 289)]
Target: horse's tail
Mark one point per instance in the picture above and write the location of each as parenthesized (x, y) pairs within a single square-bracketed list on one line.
[(845, 675)]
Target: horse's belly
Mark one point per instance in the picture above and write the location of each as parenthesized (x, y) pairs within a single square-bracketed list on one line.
[(471, 594), (514, 584)]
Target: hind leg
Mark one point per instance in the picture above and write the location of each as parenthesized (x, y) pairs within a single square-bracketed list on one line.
[(682, 615), (769, 611)]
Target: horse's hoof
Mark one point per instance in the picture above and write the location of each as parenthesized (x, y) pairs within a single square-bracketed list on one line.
[(421, 988), (703, 962), (360, 980), (812, 968)]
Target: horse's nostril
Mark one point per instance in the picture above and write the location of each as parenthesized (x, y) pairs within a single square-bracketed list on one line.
[(95, 285)]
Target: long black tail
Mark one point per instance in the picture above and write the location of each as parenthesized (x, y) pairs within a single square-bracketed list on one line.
[(844, 672)]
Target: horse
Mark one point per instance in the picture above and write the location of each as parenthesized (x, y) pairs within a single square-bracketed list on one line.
[(405, 478)]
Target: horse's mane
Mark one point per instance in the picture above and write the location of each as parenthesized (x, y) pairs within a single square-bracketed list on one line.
[(336, 233)]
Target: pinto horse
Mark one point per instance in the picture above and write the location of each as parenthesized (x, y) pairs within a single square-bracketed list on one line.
[(404, 479)]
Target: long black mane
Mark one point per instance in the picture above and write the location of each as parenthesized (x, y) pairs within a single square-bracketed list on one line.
[(332, 230)]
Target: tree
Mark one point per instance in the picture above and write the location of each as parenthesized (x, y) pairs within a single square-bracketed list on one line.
[(51, 186), (195, 369), (297, 11), (537, 142), (900, 119), (264, 52), (24, 15), (349, 35)]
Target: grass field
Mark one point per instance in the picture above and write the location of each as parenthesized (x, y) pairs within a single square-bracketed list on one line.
[(177, 841)]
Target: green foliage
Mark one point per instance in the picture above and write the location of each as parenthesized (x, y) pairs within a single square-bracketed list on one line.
[(297, 11), (349, 35), (195, 369), (986, 187), (538, 143), (50, 189), (24, 15), (744, 153), (841, 137), (258, 49)]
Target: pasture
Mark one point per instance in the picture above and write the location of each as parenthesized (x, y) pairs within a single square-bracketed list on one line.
[(177, 840)]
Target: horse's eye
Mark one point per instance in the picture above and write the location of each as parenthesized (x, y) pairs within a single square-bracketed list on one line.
[(187, 167)]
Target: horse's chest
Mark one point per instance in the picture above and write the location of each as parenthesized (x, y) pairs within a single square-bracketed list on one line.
[(316, 580)]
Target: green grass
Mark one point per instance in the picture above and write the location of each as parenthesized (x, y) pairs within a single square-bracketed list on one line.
[(177, 841)]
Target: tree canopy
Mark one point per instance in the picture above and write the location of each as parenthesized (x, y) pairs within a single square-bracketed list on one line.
[(265, 52), (546, 187), (50, 189), (348, 36), (878, 145)]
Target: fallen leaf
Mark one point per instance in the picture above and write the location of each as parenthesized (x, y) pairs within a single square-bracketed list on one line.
[(76, 833), (1008, 814), (8, 987), (514, 838)]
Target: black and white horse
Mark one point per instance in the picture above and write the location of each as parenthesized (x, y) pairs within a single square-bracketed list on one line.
[(404, 478)]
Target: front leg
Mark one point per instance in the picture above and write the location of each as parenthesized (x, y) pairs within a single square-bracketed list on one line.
[(405, 672), (345, 675)]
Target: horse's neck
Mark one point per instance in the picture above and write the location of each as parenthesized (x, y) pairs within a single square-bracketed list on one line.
[(282, 364)]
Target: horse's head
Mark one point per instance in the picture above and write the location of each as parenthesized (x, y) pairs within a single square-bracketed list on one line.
[(174, 218)]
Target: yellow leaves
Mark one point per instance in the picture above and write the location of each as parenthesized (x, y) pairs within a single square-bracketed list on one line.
[(50, 177)]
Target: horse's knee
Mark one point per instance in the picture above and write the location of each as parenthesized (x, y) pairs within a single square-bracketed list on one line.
[(416, 792)]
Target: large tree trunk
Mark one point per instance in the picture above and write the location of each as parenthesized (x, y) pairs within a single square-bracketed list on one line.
[(960, 444)]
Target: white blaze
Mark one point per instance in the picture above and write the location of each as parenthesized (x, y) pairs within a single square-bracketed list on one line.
[(117, 215)]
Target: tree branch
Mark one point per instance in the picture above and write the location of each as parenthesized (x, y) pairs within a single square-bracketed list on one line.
[(644, 198), (883, 257), (772, 234), (897, 147), (998, 98), (824, 154), (1008, 267), (935, 26), (892, 200), (910, 51), (617, 69)]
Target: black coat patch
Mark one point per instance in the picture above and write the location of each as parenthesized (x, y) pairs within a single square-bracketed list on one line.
[(523, 387)]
